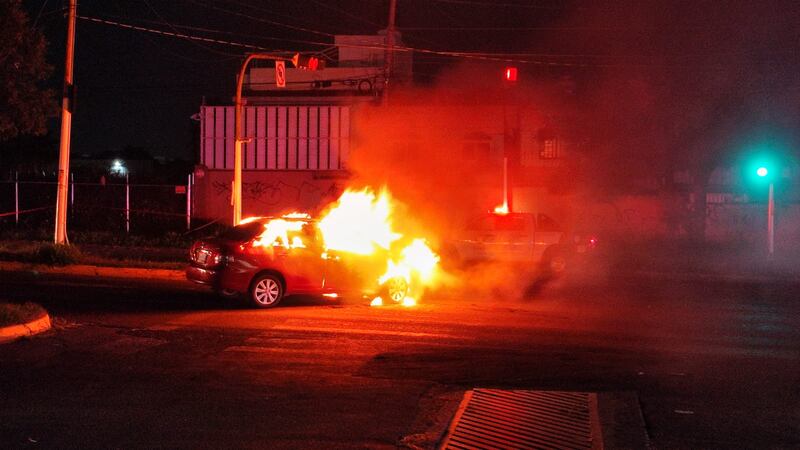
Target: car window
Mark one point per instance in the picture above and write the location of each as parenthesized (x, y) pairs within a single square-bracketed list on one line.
[(242, 233), (545, 223)]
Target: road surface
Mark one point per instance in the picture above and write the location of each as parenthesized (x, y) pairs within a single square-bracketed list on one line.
[(160, 363)]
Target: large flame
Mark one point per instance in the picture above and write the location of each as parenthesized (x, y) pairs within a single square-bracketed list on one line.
[(360, 223), (281, 232)]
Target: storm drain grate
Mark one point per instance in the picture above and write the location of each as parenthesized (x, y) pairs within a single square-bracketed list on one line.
[(503, 419)]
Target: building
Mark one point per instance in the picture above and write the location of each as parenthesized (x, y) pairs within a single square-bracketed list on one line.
[(302, 139)]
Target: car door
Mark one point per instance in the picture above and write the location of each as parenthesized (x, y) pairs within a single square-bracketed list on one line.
[(301, 261), (516, 234)]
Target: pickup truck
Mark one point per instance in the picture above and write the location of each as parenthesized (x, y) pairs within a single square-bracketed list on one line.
[(527, 238)]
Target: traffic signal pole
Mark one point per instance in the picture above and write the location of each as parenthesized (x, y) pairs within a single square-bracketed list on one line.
[(66, 128), (236, 187), (771, 221), (389, 66)]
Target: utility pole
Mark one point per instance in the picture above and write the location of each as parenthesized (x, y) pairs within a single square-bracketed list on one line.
[(66, 128), (389, 59)]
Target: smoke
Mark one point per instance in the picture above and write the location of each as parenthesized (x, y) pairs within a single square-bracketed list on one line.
[(439, 150), (646, 88)]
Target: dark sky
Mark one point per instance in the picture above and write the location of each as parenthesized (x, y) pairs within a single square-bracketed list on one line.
[(139, 88)]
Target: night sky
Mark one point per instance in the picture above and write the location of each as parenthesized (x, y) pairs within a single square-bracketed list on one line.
[(137, 88)]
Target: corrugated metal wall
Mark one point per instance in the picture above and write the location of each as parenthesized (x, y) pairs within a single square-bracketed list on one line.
[(283, 137)]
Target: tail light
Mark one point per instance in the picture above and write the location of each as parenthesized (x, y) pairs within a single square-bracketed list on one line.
[(204, 256)]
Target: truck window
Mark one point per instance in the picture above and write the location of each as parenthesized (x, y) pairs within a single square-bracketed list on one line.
[(545, 223), (509, 223)]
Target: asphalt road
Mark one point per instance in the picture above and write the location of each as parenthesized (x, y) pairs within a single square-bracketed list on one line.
[(155, 363)]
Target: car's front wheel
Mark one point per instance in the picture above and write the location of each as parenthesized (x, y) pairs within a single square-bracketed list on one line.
[(397, 289), (266, 291)]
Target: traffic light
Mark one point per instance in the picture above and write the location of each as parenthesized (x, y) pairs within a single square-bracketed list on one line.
[(308, 62), (510, 74)]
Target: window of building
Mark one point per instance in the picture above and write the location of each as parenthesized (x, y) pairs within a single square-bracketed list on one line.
[(549, 149)]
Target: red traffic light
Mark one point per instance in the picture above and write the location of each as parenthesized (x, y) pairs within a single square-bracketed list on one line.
[(307, 62), (510, 74)]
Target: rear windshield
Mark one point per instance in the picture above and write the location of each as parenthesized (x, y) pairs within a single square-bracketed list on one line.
[(242, 233)]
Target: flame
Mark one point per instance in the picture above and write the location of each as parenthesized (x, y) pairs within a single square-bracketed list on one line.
[(502, 209), (416, 259), (358, 222), (276, 231)]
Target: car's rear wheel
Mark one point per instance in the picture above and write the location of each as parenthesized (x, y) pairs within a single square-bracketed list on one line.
[(397, 289), (266, 291)]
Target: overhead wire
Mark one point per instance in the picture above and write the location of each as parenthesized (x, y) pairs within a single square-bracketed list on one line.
[(495, 4), (212, 50), (518, 58), (261, 19), (468, 55)]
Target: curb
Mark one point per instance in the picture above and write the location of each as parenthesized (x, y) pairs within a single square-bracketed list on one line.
[(14, 332), (95, 271)]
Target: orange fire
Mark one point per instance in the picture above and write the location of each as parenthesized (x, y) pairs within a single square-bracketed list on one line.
[(361, 223), (276, 234), (502, 209)]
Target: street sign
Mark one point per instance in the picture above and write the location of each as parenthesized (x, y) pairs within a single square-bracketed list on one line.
[(280, 73)]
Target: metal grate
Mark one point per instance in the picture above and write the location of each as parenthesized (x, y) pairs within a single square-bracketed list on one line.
[(502, 419)]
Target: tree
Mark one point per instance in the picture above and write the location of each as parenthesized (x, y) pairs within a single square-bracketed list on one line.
[(25, 103)]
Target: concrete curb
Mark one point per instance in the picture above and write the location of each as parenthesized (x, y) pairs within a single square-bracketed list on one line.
[(95, 271), (14, 332)]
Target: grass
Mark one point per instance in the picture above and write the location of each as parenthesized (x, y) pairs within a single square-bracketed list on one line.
[(114, 255), (14, 313), (166, 250)]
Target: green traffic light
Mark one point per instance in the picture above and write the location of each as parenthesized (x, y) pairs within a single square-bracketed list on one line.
[(762, 171)]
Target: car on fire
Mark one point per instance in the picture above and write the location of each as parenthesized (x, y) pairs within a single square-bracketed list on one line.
[(531, 239), (265, 259)]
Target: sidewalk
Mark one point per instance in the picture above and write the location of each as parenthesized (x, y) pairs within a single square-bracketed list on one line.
[(686, 261)]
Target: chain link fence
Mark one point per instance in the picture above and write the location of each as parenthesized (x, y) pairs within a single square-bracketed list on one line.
[(146, 209)]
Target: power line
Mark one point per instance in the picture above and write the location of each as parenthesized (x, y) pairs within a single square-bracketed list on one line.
[(496, 57), (495, 4), (187, 39), (168, 33), (260, 19), (346, 13)]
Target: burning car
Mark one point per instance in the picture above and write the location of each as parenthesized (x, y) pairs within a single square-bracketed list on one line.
[(351, 251)]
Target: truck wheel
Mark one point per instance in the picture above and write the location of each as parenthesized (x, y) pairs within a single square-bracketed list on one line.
[(555, 263), (266, 291)]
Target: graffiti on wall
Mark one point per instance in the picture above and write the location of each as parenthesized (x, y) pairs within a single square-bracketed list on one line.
[(278, 195), (640, 217)]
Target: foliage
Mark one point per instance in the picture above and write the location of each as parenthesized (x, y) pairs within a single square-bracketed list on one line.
[(25, 105), (57, 254), (12, 313)]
